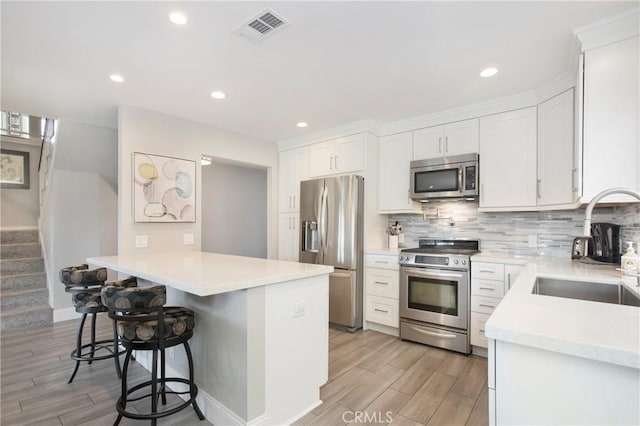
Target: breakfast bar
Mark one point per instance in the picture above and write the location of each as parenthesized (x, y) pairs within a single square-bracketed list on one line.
[(260, 343)]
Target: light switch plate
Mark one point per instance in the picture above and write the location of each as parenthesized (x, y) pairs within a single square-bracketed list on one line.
[(142, 241), (188, 239)]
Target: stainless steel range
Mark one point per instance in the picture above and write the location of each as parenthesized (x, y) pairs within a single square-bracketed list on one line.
[(435, 291)]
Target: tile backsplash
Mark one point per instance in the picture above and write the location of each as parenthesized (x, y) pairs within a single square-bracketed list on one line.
[(510, 232)]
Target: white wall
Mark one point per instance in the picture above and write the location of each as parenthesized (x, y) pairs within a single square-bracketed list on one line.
[(87, 148), (234, 210), (150, 132), (19, 208), (81, 223)]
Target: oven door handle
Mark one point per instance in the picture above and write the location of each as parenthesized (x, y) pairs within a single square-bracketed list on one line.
[(431, 273), (432, 333)]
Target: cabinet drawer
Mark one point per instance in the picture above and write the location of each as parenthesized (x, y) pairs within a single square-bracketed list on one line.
[(478, 321), (382, 310), (489, 288), (382, 282), (483, 304), (382, 261), (487, 271)]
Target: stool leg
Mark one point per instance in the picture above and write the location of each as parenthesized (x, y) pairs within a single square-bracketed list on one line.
[(163, 392), (192, 387), (78, 350), (116, 349), (122, 402), (154, 385), (93, 336)]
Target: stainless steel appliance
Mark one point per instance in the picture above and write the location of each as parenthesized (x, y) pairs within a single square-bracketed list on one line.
[(331, 226), (445, 177), (435, 291)]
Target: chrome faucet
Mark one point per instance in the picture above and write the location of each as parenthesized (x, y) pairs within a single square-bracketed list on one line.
[(587, 217)]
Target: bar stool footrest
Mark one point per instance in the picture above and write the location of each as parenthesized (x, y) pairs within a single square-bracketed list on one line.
[(146, 416), (98, 346)]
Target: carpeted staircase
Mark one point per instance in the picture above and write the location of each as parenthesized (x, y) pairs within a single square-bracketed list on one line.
[(23, 284)]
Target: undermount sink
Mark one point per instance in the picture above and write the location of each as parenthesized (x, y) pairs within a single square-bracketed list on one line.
[(583, 290)]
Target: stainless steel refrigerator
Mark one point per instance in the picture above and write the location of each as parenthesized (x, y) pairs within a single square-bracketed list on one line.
[(331, 225)]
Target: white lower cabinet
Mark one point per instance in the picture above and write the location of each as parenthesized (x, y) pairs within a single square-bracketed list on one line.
[(381, 280), (288, 237), (490, 281)]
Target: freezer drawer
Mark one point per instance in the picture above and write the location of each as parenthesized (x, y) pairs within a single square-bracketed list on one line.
[(343, 296)]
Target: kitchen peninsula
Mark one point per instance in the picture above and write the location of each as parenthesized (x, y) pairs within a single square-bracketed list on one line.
[(260, 344)]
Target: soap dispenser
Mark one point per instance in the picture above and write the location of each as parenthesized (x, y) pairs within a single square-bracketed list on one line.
[(630, 261)]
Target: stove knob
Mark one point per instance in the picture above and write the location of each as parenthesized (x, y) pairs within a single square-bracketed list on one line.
[(464, 262), (455, 261)]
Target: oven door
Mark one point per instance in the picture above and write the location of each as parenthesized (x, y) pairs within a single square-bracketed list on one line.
[(435, 296)]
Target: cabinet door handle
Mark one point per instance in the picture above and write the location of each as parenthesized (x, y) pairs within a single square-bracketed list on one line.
[(294, 201), (382, 261), (482, 192), (486, 306), (446, 144), (380, 310), (293, 221), (538, 188), (574, 187), (488, 271), (335, 162), (381, 282), (486, 288), (440, 144), (482, 330), (508, 280), (331, 162)]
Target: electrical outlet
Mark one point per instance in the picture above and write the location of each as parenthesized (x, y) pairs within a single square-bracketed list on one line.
[(297, 310), (533, 241), (142, 241), (188, 239)]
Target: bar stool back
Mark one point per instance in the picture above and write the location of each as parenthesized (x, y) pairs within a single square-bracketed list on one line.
[(85, 284), (145, 324)]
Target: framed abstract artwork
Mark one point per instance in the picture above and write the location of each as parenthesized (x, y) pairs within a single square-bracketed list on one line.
[(14, 169), (164, 189)]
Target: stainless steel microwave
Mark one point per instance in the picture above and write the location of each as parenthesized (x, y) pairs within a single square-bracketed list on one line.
[(445, 177)]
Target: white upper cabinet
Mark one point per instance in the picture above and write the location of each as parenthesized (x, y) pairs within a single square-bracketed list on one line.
[(556, 164), (341, 155), (611, 140), (456, 138), (508, 159), (396, 152), (293, 169)]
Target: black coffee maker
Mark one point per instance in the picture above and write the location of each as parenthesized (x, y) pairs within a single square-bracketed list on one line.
[(605, 245)]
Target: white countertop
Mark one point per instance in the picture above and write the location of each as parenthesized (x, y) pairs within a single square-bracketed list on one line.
[(593, 330), (502, 257), (205, 274)]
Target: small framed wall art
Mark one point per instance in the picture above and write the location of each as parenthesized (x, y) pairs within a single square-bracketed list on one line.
[(14, 169), (164, 189)]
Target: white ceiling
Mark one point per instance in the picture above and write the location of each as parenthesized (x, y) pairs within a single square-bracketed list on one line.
[(338, 62)]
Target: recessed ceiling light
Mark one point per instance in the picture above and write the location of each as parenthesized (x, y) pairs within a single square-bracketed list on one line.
[(218, 95), (117, 78), (488, 72), (178, 18), (204, 160), (302, 124)]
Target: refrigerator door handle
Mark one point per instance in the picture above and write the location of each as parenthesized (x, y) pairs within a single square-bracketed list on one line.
[(322, 219)]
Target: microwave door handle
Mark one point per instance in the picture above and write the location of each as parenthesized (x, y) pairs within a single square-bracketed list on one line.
[(460, 182)]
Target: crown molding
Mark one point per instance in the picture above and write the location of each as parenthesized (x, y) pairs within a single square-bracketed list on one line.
[(363, 126), (610, 30), (494, 106), (560, 84)]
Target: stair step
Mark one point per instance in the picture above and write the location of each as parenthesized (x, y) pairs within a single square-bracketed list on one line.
[(23, 298), (21, 266), (19, 236), (20, 251), (23, 281), (13, 319)]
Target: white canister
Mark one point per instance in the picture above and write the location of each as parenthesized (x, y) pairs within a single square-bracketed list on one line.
[(393, 241)]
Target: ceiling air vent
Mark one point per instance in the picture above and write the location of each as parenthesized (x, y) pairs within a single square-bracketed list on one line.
[(261, 26)]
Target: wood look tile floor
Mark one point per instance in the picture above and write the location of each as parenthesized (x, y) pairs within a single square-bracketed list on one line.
[(379, 378)]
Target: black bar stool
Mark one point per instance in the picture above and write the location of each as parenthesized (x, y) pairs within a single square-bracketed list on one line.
[(85, 284), (145, 324)]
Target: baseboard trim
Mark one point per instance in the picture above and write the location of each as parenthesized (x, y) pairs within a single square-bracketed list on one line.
[(303, 413), (19, 228), (65, 314)]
